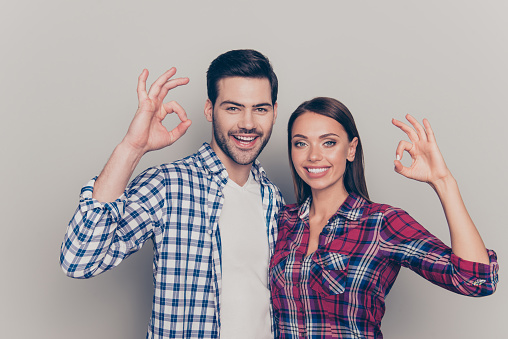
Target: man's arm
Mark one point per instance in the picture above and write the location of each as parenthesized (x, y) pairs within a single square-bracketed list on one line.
[(146, 133), (103, 231)]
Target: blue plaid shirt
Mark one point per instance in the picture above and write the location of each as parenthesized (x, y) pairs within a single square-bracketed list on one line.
[(178, 206)]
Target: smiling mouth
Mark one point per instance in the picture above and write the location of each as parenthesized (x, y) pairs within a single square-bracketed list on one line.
[(317, 170), (245, 141), (244, 138)]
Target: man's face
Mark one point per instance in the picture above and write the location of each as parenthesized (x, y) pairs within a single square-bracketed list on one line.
[(242, 117)]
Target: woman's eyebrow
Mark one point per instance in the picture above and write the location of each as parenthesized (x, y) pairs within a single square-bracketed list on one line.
[(328, 135), (320, 137)]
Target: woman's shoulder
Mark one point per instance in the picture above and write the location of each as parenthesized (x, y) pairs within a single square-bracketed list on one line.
[(374, 208), (289, 210)]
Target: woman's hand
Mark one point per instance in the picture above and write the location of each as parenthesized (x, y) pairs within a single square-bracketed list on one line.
[(427, 164)]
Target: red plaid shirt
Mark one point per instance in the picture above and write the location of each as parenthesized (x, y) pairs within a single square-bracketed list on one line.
[(339, 291)]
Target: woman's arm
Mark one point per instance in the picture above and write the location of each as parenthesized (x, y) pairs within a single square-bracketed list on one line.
[(429, 166)]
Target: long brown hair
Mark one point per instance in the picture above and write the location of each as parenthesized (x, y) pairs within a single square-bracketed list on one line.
[(354, 176)]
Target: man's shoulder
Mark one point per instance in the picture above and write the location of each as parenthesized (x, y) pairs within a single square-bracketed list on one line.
[(191, 165), (192, 161)]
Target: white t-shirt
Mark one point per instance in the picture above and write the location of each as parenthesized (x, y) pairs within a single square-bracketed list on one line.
[(245, 297)]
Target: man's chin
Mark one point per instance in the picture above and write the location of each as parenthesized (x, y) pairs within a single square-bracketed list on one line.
[(245, 157)]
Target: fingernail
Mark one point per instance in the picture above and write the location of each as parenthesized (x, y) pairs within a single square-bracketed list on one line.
[(398, 157)]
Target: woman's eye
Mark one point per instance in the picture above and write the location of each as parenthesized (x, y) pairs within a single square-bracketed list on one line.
[(299, 144), (329, 143)]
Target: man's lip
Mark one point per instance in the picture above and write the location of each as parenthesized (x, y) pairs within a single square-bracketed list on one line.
[(245, 135), (240, 142)]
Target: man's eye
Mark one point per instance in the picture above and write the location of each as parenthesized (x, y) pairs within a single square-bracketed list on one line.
[(232, 109), (261, 110)]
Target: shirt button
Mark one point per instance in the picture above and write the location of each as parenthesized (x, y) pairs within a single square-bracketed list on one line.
[(210, 232), (479, 282), (219, 194), (297, 285)]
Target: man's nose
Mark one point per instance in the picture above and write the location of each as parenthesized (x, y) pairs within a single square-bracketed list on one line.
[(247, 120)]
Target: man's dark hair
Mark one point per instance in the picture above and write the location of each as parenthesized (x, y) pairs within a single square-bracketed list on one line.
[(245, 63)]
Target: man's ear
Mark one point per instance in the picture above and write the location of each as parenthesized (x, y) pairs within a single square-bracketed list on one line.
[(209, 110), (275, 112), (352, 149)]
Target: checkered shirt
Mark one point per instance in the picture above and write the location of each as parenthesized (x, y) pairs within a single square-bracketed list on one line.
[(178, 206), (339, 291)]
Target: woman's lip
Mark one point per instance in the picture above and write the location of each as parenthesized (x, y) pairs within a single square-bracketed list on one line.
[(316, 172)]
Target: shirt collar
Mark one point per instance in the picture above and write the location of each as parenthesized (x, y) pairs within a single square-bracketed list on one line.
[(352, 208), (211, 163), (209, 159)]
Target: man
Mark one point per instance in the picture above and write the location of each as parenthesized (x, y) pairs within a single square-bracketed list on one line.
[(211, 215)]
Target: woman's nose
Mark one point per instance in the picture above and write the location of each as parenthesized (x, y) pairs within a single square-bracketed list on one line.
[(315, 154)]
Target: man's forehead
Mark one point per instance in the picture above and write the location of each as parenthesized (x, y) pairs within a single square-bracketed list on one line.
[(247, 91)]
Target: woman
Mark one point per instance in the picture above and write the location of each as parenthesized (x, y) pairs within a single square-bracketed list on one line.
[(338, 254)]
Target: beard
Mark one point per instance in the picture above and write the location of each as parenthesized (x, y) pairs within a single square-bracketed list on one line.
[(238, 155)]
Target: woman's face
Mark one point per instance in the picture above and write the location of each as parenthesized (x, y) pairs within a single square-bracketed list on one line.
[(320, 149)]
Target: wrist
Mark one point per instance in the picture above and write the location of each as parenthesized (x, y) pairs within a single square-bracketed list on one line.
[(129, 153), (127, 149), (444, 184)]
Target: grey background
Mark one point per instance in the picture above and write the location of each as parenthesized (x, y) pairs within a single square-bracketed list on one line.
[(68, 80)]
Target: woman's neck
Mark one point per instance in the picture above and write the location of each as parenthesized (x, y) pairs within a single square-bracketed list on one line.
[(325, 203)]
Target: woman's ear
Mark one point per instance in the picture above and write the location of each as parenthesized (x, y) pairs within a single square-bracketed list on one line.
[(352, 149)]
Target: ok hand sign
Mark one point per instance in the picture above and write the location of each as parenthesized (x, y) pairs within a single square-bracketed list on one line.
[(146, 131), (427, 164)]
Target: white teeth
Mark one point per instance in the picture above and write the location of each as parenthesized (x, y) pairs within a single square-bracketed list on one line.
[(242, 138), (317, 170)]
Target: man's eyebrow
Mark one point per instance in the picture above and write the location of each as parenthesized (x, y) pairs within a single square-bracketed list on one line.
[(263, 104), (229, 102)]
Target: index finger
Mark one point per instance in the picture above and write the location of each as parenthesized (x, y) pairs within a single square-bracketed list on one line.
[(174, 107), (411, 133)]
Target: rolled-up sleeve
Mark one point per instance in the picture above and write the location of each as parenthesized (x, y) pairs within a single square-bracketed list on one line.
[(407, 242), (100, 235)]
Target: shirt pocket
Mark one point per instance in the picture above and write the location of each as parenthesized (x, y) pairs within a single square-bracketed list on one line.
[(328, 273)]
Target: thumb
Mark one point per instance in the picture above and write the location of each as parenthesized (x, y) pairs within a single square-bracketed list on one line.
[(399, 168), (179, 130)]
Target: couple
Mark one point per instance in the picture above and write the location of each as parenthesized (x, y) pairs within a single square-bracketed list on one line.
[(230, 260)]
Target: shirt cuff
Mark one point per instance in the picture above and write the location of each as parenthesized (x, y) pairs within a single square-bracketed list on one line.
[(88, 203), (476, 273)]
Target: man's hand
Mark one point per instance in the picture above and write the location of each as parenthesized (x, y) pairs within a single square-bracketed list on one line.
[(427, 164), (146, 131)]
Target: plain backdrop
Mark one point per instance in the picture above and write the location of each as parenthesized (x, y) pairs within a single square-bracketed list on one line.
[(68, 92)]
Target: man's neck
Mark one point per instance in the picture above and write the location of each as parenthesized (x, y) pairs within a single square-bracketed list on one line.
[(236, 172)]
